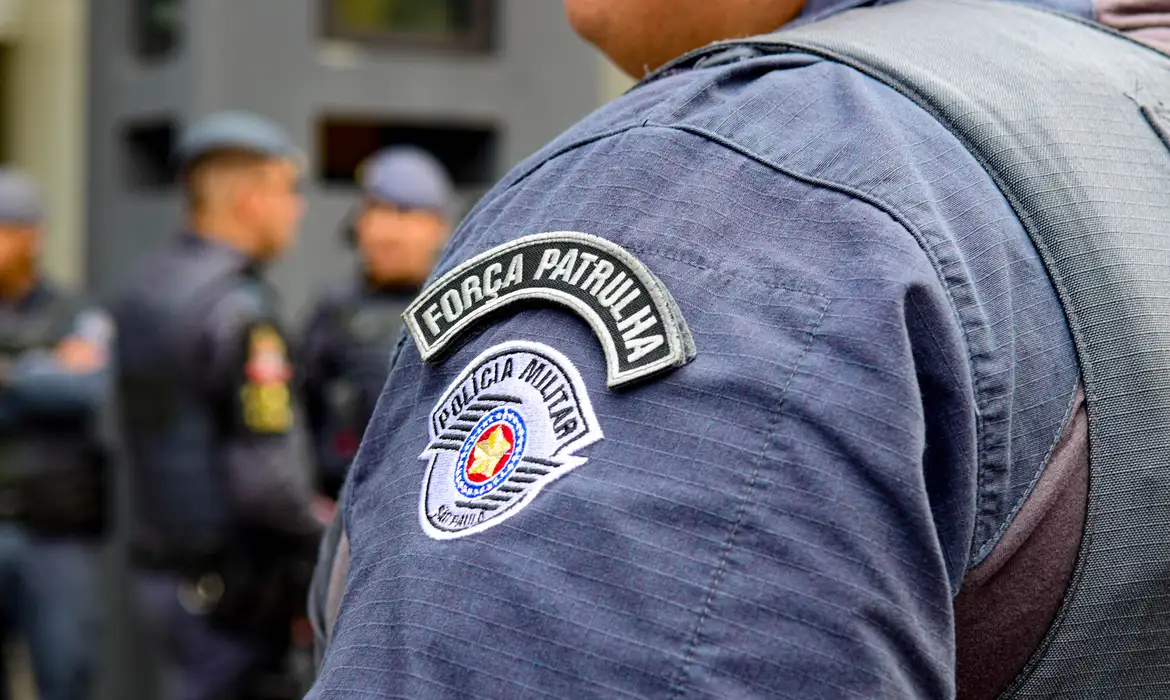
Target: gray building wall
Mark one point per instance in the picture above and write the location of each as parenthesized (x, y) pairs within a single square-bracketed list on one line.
[(266, 56)]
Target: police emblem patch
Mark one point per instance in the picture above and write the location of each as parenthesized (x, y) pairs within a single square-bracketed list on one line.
[(507, 427), (264, 395), (633, 315)]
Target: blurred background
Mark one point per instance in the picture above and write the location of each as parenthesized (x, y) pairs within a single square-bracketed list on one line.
[(93, 95)]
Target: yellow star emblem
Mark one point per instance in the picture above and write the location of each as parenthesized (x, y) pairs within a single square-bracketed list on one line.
[(488, 452)]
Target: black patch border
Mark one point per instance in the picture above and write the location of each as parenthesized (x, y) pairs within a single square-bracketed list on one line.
[(680, 346)]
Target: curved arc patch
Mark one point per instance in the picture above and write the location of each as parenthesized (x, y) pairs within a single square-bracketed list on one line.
[(632, 314)]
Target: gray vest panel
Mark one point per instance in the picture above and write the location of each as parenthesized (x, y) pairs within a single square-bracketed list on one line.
[(47, 446), (1062, 115)]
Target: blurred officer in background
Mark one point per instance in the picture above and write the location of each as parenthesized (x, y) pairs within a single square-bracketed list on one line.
[(782, 376), (398, 228), (225, 524), (54, 397)]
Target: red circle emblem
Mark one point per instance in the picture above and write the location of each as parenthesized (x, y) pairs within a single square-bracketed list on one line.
[(490, 453)]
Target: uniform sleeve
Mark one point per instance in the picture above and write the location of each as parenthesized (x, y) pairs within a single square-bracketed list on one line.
[(39, 385), (787, 515), (249, 375)]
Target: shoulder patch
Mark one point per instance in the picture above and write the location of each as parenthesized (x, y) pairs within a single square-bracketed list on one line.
[(264, 396), (637, 321), (507, 427)]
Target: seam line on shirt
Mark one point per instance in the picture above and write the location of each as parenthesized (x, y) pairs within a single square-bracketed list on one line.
[(993, 541), (745, 501)]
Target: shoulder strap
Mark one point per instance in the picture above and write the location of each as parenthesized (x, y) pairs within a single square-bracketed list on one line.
[(1058, 112)]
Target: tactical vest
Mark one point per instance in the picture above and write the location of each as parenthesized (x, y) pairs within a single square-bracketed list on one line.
[(41, 328), (171, 430), (52, 467), (1071, 121), (369, 328)]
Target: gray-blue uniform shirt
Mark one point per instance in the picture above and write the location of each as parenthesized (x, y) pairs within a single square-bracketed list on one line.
[(882, 418)]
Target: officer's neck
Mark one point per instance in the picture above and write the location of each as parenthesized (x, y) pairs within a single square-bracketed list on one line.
[(224, 230), (17, 283)]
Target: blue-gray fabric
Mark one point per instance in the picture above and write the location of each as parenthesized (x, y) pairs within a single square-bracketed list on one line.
[(20, 199), (882, 367), (234, 130), (406, 177)]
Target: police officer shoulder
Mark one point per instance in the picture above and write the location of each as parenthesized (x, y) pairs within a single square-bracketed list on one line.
[(843, 448)]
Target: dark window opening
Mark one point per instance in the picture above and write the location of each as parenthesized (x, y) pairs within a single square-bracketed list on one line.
[(467, 150), (157, 25), (461, 25), (149, 147)]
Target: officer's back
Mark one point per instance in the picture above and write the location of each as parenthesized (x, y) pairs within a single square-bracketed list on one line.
[(206, 408)]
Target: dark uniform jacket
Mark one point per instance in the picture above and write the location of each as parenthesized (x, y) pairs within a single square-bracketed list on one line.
[(207, 412)]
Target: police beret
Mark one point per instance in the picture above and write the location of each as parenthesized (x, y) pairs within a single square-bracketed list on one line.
[(407, 177), (234, 130), (20, 199)]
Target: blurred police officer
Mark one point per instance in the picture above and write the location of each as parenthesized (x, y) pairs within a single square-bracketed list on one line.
[(783, 374), (54, 389), (223, 501), (398, 228)]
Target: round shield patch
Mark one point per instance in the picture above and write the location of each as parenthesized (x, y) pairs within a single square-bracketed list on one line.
[(491, 452), (508, 426)]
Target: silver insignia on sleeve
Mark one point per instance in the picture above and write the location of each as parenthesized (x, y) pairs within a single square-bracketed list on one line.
[(507, 427)]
